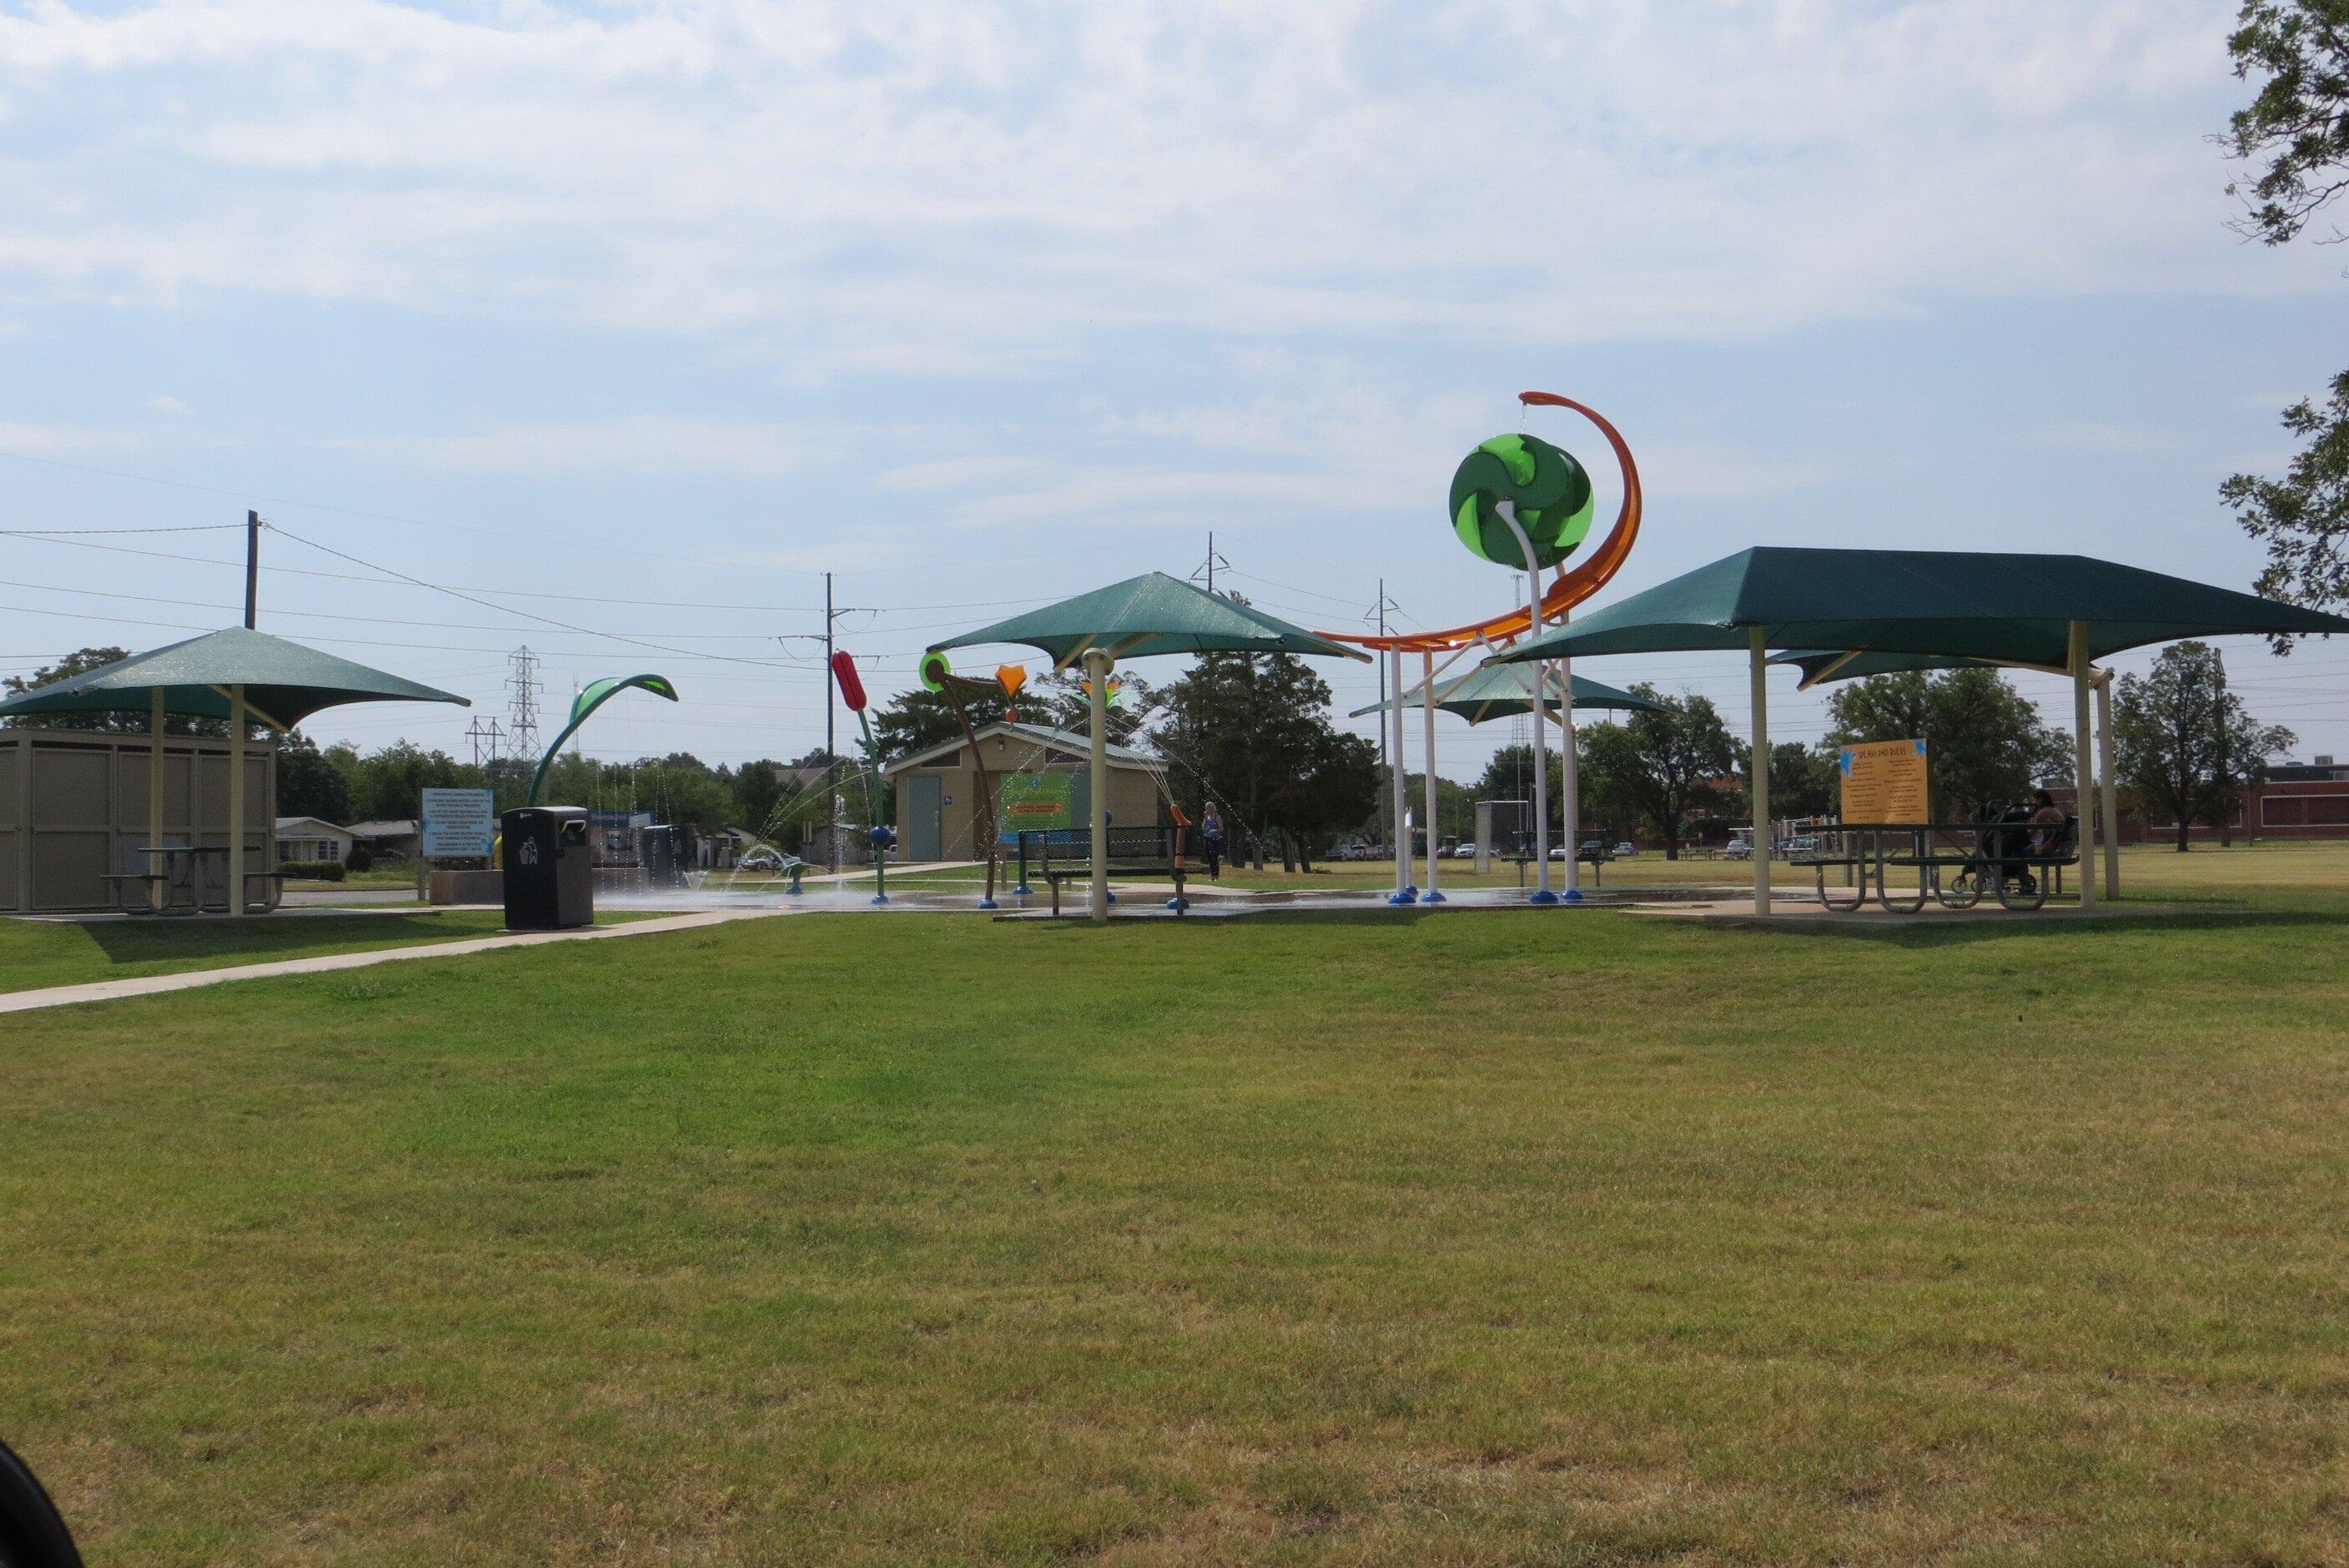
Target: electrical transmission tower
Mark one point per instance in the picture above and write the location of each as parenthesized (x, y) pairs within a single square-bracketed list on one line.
[(478, 733), (522, 708)]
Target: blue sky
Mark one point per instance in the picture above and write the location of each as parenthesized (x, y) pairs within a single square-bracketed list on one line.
[(669, 308)]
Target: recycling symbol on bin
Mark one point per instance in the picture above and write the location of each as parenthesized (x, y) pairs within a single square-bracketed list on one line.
[(529, 856)]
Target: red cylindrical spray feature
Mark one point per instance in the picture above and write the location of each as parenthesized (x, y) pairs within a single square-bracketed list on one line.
[(851, 689)]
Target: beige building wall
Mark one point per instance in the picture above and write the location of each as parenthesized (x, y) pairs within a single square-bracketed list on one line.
[(73, 808), (1135, 798)]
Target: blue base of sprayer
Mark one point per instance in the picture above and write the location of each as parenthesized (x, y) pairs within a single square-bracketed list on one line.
[(880, 898), (1406, 896), (1432, 896), (987, 903), (1543, 897), (1178, 904), (1024, 891), (1573, 895)]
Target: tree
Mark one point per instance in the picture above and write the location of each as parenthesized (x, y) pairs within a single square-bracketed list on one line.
[(1805, 782), (1656, 765), (389, 785), (1986, 740), (308, 784), (1251, 732), (2185, 745), (914, 720), (2296, 132)]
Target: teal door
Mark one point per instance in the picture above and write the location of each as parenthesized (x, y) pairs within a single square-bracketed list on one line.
[(924, 816)]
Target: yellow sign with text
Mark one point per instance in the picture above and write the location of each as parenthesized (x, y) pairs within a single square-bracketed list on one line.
[(1885, 781)]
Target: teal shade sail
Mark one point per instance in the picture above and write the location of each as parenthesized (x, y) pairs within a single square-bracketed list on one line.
[(285, 683), (2004, 608)]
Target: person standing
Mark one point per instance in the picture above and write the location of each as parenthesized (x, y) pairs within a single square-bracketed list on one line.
[(1211, 842)]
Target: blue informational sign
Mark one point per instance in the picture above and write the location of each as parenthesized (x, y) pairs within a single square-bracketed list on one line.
[(459, 824)]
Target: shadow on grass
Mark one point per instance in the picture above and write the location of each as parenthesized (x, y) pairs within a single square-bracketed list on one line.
[(261, 937)]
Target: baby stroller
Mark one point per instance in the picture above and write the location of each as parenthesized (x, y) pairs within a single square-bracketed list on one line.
[(2002, 840)]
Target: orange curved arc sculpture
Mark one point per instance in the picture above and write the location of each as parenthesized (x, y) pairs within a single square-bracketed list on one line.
[(1567, 589)]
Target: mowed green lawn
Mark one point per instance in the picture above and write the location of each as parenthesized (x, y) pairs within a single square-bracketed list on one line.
[(1574, 1238)]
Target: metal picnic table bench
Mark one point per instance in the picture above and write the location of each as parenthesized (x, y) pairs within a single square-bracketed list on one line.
[(1065, 855), (1997, 856)]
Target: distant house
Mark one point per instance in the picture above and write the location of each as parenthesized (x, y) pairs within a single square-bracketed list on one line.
[(312, 838), (397, 840)]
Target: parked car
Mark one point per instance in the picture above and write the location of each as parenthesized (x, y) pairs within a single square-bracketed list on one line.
[(1737, 849), (1626, 850), (1592, 850)]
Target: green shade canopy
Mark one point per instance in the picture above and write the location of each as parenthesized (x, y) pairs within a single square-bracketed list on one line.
[(1829, 665), (1149, 614), (1494, 693), (2000, 607), (285, 683)]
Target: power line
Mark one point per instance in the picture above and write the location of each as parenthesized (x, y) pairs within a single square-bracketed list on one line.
[(507, 609)]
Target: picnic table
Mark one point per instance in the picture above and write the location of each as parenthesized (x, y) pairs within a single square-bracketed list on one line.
[(178, 869), (1594, 856), (2019, 863)]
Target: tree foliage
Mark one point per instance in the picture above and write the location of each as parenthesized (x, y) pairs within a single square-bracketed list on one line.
[(2295, 134), (1986, 740), (1804, 780), (2303, 518), (308, 785), (1656, 767), (2295, 130), (2184, 743), (1252, 734)]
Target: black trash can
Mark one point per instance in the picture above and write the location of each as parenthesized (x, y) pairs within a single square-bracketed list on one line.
[(549, 868), (664, 851)]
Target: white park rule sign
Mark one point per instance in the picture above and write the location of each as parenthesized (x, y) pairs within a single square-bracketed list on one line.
[(458, 823)]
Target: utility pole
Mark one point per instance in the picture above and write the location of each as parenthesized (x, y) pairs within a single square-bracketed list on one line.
[(1214, 561), (830, 769), (252, 569)]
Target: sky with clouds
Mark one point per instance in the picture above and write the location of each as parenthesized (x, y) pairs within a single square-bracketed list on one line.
[(638, 317)]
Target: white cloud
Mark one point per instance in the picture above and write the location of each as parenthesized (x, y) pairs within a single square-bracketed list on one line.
[(167, 404), (59, 442), (644, 444), (976, 189)]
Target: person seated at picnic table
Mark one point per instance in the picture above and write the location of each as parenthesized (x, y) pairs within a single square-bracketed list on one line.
[(2048, 818)]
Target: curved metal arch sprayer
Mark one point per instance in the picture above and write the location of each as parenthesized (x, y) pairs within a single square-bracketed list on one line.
[(1567, 589)]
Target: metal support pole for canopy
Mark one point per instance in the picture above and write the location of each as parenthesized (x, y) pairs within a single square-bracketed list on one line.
[(236, 800), (149, 863), (1759, 778), (1569, 780), (1097, 664), (2110, 835), (1402, 889), (1508, 512), (1427, 733), (2083, 794)]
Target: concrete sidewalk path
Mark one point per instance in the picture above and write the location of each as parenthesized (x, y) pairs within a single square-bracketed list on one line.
[(153, 985)]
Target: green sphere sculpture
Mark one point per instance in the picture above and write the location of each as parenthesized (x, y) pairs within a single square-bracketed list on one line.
[(1552, 492)]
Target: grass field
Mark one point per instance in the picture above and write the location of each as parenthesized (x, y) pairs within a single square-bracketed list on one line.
[(1507, 1238)]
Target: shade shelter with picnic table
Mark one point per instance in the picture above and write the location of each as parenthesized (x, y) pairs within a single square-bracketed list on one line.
[(1150, 615), (239, 676), (1487, 693), (2055, 612)]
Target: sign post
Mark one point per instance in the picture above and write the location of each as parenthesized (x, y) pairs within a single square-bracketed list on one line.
[(452, 824)]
